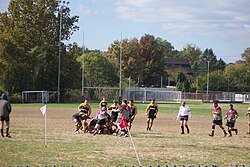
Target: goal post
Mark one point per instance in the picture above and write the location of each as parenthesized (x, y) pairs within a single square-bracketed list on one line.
[(35, 96), (161, 95)]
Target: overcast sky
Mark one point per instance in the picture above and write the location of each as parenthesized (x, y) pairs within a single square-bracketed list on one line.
[(223, 25)]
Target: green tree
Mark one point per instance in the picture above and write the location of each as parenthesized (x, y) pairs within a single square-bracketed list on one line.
[(31, 29), (199, 83), (182, 84), (99, 72), (193, 54), (238, 76), (246, 57), (143, 60)]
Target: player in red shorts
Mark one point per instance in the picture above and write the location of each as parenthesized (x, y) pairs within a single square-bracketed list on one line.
[(217, 119), (231, 117)]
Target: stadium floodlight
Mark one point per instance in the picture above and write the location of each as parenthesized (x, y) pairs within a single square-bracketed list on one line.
[(120, 85), (83, 49), (207, 75), (61, 7)]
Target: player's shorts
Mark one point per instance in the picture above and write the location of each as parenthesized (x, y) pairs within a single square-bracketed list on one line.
[(101, 122), (217, 122), (113, 117), (93, 122), (7, 119), (230, 124), (77, 117), (151, 115), (184, 118)]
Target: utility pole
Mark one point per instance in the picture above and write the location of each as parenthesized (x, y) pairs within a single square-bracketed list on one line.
[(120, 85), (207, 75), (83, 49)]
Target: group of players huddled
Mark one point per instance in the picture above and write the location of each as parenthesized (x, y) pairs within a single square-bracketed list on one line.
[(108, 120)]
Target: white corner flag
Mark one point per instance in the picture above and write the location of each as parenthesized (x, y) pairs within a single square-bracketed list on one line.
[(43, 109)]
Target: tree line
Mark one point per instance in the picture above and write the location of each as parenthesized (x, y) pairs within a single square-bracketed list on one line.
[(29, 48)]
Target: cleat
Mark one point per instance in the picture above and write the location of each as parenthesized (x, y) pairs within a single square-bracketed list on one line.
[(8, 136), (211, 135), (236, 131), (77, 132), (188, 131)]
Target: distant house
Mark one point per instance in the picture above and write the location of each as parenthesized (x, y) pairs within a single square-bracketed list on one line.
[(174, 64)]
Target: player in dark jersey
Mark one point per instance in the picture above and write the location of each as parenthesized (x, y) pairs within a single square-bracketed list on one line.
[(151, 112), (231, 117), (85, 111), (103, 103), (217, 119), (134, 111), (114, 114), (78, 118)]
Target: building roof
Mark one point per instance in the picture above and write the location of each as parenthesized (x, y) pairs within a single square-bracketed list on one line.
[(174, 63)]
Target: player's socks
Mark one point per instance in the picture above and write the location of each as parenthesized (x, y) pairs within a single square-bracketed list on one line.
[(2, 133), (225, 133), (148, 125), (182, 129), (212, 134), (236, 131), (187, 129), (7, 133)]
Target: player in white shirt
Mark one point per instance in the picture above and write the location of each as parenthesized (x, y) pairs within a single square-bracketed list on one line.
[(184, 113)]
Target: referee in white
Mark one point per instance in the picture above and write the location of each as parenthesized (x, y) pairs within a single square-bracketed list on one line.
[(184, 113)]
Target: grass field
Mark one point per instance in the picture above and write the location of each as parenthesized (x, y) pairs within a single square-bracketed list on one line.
[(163, 145)]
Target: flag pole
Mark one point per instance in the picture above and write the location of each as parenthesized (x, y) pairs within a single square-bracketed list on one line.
[(45, 130)]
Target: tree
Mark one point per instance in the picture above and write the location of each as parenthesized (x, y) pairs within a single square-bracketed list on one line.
[(99, 72), (31, 28), (182, 84), (143, 60), (238, 76), (246, 57), (193, 54)]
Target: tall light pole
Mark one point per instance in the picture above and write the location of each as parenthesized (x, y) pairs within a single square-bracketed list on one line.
[(120, 85), (59, 51), (83, 48), (207, 75)]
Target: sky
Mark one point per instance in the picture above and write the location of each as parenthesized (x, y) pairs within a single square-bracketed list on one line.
[(223, 25)]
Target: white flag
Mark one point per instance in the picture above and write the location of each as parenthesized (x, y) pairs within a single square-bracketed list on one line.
[(43, 109)]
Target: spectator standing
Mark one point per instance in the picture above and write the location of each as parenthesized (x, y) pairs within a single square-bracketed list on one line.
[(5, 110)]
